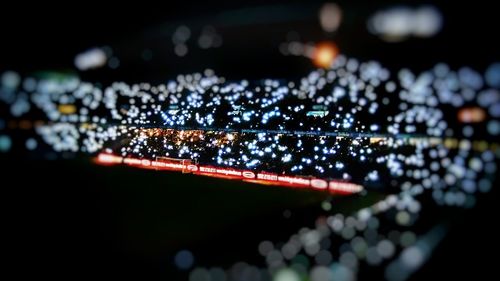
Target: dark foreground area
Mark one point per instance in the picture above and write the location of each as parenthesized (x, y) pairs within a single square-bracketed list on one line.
[(68, 219)]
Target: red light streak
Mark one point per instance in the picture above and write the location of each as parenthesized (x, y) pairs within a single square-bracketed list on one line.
[(334, 187)]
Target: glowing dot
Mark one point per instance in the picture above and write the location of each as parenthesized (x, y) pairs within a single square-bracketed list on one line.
[(10, 79), (492, 75), (286, 275), (412, 257), (324, 54), (90, 59), (471, 115), (199, 274), (385, 248), (184, 259), (321, 273), (181, 50), (31, 144), (330, 16), (66, 108), (327, 206), (403, 218), (5, 143), (494, 127), (217, 274), (114, 63)]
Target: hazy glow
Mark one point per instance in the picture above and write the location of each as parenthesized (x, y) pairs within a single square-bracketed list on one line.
[(399, 23), (324, 54), (91, 59), (330, 17)]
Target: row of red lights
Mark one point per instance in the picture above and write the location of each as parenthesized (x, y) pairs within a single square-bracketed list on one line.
[(337, 187)]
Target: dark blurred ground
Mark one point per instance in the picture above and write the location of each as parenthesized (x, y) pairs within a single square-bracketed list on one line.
[(67, 219)]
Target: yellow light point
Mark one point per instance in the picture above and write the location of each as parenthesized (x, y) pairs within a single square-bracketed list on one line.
[(324, 54), (450, 143), (67, 108), (482, 146), (376, 139)]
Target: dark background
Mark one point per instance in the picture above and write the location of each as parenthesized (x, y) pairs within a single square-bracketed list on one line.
[(48, 36)]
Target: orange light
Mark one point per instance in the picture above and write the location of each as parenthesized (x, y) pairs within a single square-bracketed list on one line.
[(471, 115), (25, 124), (324, 54)]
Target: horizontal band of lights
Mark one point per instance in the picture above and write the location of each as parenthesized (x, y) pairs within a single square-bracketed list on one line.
[(334, 187)]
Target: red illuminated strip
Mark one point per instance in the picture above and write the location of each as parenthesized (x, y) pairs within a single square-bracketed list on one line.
[(212, 171)]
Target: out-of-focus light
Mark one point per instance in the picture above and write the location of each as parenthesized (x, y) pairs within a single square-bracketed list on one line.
[(10, 79), (114, 63), (330, 17), (327, 206), (181, 34), (492, 75), (427, 21), (494, 127), (67, 108), (91, 59), (403, 218), (31, 144), (399, 23), (217, 274), (184, 259), (324, 54), (392, 25), (199, 274), (181, 50), (471, 115), (319, 273), (209, 38), (5, 143), (286, 275), (265, 247), (341, 272)]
